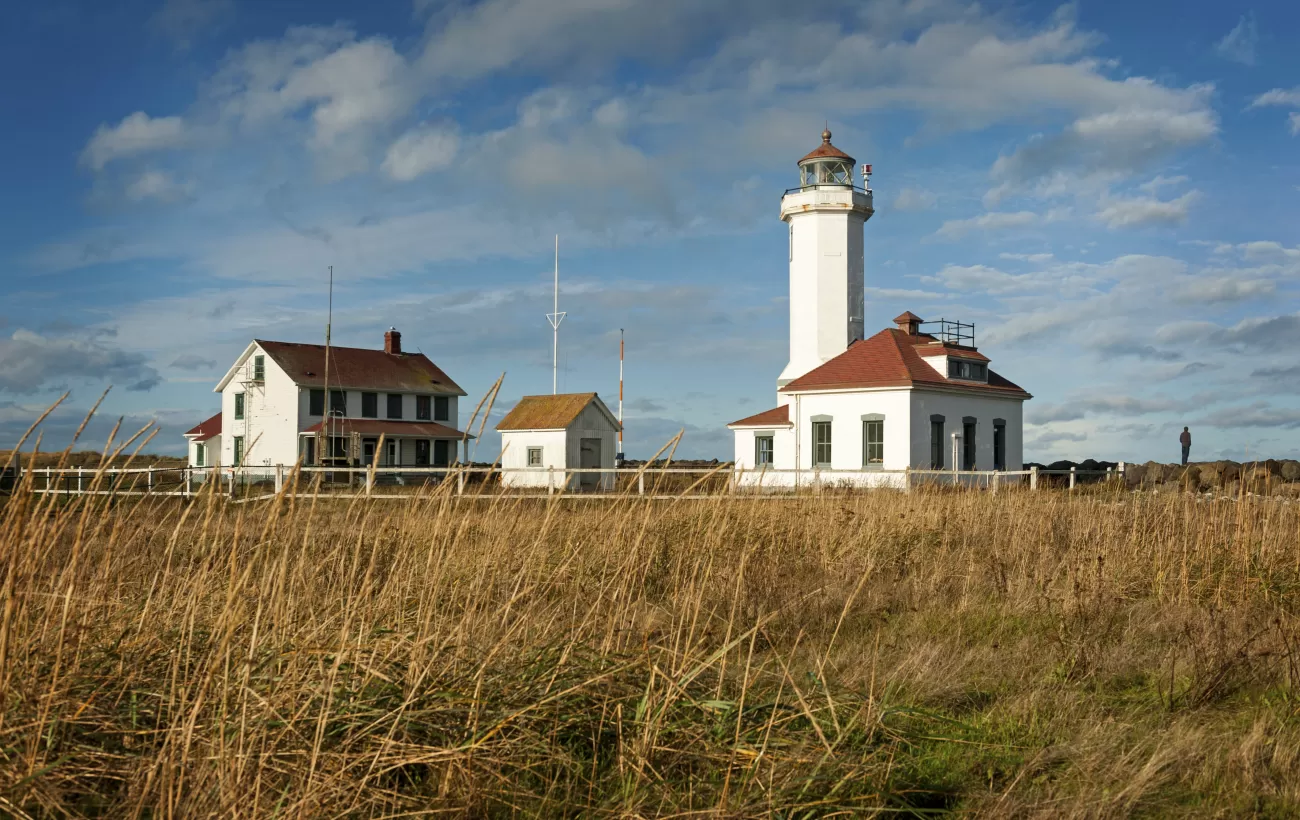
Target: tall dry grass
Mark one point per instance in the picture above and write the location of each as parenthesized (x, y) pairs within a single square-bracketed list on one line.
[(1017, 654)]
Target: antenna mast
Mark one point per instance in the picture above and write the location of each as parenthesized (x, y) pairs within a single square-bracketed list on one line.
[(555, 317), (326, 421), (618, 457)]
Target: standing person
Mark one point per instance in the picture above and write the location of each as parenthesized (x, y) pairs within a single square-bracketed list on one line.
[(1186, 440)]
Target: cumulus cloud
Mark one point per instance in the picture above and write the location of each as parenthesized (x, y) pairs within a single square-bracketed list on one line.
[(1223, 290), (979, 278), (30, 362), (1239, 44), (158, 185), (419, 151), (136, 134), (1278, 96), (914, 199), (1143, 211)]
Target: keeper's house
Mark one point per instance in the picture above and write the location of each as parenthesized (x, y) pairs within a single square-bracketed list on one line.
[(544, 436), (273, 409)]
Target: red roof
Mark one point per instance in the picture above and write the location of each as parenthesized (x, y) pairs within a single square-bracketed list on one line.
[(375, 427), (776, 417), (826, 150), (358, 368), (907, 316), (934, 347), (889, 359), (206, 429)]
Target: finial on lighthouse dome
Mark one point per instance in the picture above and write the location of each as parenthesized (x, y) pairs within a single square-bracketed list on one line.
[(826, 165)]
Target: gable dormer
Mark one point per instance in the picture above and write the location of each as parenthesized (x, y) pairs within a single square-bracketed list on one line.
[(949, 348)]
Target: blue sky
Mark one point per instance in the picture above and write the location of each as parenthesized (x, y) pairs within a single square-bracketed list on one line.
[(1108, 190)]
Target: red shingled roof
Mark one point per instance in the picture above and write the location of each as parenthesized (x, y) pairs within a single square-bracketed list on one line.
[(889, 359), (206, 429), (374, 427), (776, 417), (358, 368), (937, 348)]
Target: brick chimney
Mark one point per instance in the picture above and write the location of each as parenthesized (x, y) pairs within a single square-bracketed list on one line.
[(909, 323), (393, 342)]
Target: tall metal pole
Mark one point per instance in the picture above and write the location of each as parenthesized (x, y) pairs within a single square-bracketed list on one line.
[(324, 441), (555, 317), (619, 457)]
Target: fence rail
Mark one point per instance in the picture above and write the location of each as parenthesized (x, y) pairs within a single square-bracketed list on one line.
[(389, 482)]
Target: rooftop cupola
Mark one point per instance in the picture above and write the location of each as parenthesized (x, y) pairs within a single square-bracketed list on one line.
[(826, 165)]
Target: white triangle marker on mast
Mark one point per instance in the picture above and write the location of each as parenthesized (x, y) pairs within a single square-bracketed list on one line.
[(555, 318)]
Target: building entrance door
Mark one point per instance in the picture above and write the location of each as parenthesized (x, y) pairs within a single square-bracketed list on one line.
[(368, 446), (392, 446), (589, 459)]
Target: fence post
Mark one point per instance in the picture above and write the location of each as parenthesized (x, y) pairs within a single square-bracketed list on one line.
[(370, 479), (148, 482), (279, 477), (1072, 469), (550, 480), (1121, 471), (907, 479), (79, 471), (995, 478), (460, 481), (640, 483), (1033, 477)]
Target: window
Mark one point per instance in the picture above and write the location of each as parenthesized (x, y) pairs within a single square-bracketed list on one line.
[(441, 408), (422, 408), (239, 450), (764, 450), (791, 241), (534, 456), (936, 442), (821, 431), (259, 368), (239, 406), (395, 406), (317, 403), (338, 403), (971, 371), (968, 443), (422, 452), (441, 452), (873, 442), (198, 455), (999, 444), (369, 405)]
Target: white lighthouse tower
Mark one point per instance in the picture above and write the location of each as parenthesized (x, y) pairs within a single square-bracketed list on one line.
[(825, 214)]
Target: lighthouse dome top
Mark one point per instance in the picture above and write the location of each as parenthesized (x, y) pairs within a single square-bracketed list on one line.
[(826, 165), (826, 151)]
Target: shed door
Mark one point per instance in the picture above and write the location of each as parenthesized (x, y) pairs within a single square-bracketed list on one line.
[(589, 459)]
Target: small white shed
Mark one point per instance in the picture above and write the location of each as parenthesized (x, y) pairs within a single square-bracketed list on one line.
[(544, 436)]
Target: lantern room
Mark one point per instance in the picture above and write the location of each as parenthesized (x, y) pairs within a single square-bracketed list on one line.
[(826, 165)]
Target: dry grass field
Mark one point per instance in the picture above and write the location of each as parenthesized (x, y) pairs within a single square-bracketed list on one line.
[(1019, 654)]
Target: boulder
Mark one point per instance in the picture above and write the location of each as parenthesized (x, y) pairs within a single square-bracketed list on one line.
[(1290, 470), (1208, 475), (1134, 474)]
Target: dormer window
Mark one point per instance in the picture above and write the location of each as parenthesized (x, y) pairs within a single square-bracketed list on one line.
[(968, 370)]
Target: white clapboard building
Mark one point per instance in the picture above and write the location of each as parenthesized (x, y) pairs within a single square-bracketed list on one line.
[(544, 436), (274, 409), (917, 395)]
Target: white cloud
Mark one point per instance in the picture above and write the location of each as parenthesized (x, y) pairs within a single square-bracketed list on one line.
[(979, 278), (1142, 211), (993, 221), (1239, 44), (420, 151), (1223, 290), (914, 199), (1293, 123), (182, 20), (1278, 96), (1155, 184), (1027, 257), (135, 134), (158, 185)]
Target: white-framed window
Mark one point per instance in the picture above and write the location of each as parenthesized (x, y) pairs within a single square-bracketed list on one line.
[(873, 442), (936, 442), (259, 368), (764, 450), (821, 437), (239, 406), (239, 451), (534, 456), (198, 455)]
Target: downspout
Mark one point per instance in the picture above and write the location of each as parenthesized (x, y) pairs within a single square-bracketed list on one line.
[(798, 431)]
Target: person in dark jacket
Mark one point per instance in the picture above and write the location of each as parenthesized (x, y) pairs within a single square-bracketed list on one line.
[(1186, 440)]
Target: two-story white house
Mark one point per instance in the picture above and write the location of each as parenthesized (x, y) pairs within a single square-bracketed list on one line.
[(852, 409), (275, 409)]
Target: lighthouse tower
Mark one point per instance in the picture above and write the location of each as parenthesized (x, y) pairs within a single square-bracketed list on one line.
[(825, 215)]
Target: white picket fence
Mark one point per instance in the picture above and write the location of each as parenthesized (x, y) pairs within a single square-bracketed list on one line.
[(472, 481)]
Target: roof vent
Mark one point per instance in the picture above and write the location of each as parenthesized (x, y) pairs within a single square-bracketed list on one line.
[(909, 323)]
